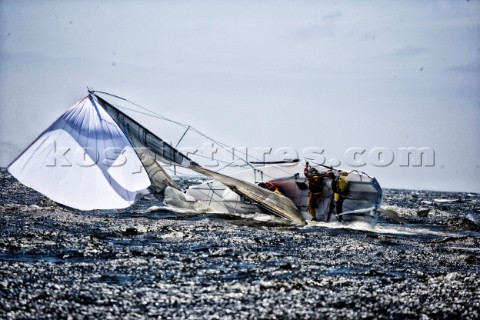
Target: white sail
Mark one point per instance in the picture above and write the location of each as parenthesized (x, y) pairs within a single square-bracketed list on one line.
[(84, 161)]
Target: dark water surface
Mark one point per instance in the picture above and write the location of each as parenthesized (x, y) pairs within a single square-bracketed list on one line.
[(56, 262)]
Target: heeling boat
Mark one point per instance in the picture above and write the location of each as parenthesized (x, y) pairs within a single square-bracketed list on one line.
[(362, 201), (95, 156)]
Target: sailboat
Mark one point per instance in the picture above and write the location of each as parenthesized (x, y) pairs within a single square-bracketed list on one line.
[(95, 156)]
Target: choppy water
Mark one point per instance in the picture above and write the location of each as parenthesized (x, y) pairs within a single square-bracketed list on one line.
[(58, 262)]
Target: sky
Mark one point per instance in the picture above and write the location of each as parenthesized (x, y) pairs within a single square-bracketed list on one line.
[(351, 78)]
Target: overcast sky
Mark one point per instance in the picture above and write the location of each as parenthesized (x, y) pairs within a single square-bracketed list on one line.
[(297, 74)]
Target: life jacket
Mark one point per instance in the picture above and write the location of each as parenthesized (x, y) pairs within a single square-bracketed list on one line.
[(340, 184), (315, 182)]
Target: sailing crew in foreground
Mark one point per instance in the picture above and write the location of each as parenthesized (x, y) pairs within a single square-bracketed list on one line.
[(315, 184)]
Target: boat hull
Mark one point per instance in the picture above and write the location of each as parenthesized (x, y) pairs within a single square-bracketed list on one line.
[(364, 193)]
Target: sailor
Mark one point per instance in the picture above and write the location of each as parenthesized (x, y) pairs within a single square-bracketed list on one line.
[(270, 186), (315, 184), (340, 189)]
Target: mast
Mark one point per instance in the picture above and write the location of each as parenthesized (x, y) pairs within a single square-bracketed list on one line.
[(149, 146)]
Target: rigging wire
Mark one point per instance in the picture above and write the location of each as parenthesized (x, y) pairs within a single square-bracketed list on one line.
[(154, 114), (183, 135)]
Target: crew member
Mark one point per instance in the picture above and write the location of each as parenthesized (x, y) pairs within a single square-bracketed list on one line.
[(270, 186), (315, 184), (340, 189)]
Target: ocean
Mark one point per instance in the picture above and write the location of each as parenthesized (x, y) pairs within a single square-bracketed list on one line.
[(56, 262)]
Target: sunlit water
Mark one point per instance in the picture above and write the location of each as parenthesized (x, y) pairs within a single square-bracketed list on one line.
[(154, 261)]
